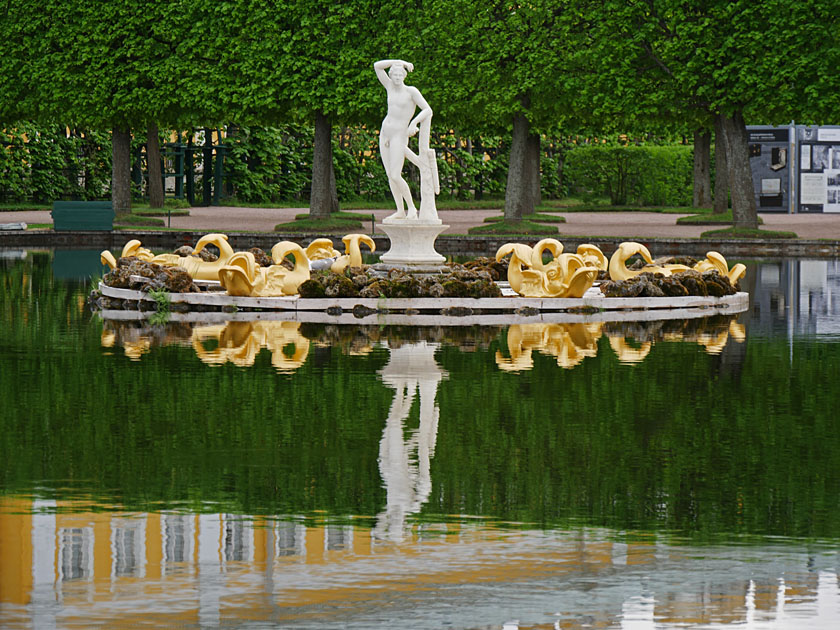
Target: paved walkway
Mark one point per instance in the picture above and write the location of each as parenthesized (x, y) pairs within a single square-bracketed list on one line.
[(613, 224)]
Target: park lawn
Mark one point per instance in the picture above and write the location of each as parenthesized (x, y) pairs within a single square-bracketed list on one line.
[(709, 218), (537, 217), (134, 219), (517, 228), (338, 222), (24, 207), (733, 232)]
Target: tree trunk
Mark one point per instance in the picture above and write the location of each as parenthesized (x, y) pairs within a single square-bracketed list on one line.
[(519, 197), (533, 172), (207, 168), (153, 164), (121, 171), (721, 170), (744, 214), (323, 177), (702, 169), (333, 188)]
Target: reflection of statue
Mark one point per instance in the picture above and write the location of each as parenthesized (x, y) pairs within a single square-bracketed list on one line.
[(397, 127), (405, 463)]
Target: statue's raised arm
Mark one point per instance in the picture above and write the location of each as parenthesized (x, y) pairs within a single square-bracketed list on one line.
[(383, 65)]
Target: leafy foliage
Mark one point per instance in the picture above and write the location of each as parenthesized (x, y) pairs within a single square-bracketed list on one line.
[(636, 175), (44, 163)]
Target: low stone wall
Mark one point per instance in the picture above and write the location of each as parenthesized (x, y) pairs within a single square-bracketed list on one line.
[(448, 245)]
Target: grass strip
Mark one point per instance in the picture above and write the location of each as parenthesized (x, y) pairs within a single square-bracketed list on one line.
[(538, 217), (24, 207), (514, 228), (606, 208), (724, 218), (744, 233), (320, 225), (136, 219)]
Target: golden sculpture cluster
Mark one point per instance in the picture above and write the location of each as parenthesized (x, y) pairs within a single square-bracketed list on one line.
[(565, 275), (239, 273), (571, 275)]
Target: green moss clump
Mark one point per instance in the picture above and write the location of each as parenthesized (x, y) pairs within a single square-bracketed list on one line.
[(312, 288)]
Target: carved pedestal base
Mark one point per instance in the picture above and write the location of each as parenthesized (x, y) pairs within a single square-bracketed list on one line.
[(412, 244)]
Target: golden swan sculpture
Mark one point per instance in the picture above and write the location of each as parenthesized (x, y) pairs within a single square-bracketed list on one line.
[(132, 248), (197, 268), (592, 256), (243, 277), (352, 252), (321, 249), (716, 261), (618, 263), (566, 275)]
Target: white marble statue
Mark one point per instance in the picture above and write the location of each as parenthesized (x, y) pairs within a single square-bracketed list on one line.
[(397, 127)]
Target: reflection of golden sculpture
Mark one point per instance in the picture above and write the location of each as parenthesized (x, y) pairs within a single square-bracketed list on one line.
[(242, 276), (352, 252), (628, 353), (132, 248), (568, 343), (714, 341), (632, 342), (713, 336), (240, 342), (134, 348), (565, 276)]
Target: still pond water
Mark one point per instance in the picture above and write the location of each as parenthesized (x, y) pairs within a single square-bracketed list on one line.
[(285, 475)]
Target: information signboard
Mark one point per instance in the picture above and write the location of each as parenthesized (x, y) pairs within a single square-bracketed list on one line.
[(770, 160), (818, 169)]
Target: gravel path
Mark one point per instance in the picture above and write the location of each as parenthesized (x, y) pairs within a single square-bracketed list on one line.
[(628, 225)]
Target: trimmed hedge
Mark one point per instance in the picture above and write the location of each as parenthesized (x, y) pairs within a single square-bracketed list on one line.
[(43, 164), (274, 164), (632, 175)]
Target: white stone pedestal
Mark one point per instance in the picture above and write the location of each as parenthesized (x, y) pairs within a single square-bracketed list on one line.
[(412, 243)]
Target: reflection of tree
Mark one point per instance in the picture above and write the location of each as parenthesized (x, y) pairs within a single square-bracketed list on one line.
[(662, 444), (404, 463)]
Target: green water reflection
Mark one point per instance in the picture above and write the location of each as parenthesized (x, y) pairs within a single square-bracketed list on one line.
[(211, 473), (707, 445)]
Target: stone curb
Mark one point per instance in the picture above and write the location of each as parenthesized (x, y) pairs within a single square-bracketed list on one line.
[(446, 244)]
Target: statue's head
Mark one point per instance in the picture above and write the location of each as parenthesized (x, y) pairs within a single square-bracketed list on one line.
[(397, 73)]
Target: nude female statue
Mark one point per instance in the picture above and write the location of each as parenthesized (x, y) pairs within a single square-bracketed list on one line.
[(397, 127)]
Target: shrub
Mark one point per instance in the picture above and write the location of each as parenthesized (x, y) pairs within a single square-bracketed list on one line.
[(48, 163), (632, 175)]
